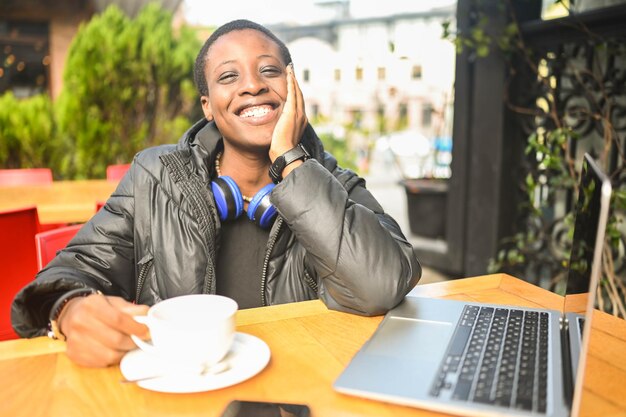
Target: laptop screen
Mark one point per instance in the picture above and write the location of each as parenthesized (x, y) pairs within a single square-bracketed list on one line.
[(585, 268), (593, 183)]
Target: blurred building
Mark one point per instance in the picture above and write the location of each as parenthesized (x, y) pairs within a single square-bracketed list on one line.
[(376, 74), (35, 36)]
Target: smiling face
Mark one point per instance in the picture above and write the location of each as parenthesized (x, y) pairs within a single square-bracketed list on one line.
[(247, 85)]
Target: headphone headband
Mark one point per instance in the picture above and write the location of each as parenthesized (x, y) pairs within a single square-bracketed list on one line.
[(229, 202)]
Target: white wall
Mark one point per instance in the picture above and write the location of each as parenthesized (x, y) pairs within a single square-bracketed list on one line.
[(366, 45)]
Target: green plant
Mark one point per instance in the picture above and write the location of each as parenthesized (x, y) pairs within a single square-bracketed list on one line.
[(558, 121), (127, 85), (27, 132), (339, 148)]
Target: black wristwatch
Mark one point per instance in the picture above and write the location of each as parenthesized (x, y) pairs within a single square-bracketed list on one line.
[(53, 327), (292, 155)]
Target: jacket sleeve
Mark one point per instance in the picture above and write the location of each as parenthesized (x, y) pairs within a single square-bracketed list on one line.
[(363, 262), (100, 256)]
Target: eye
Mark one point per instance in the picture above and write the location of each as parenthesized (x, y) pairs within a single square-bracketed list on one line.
[(227, 77), (271, 71)]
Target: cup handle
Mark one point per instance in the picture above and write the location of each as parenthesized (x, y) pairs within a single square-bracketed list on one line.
[(142, 344)]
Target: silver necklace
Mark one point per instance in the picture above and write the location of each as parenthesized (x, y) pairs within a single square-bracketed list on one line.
[(219, 174)]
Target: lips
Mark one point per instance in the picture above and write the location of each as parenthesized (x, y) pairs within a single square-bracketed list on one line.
[(258, 114), (255, 111), (251, 107)]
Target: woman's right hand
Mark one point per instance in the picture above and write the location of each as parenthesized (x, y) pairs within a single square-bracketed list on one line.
[(292, 122), (98, 329)]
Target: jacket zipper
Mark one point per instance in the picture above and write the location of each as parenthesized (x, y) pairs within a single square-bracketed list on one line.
[(310, 281), (143, 272), (270, 247), (192, 186), (213, 218)]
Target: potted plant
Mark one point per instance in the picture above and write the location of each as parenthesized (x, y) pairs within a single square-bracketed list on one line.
[(424, 165)]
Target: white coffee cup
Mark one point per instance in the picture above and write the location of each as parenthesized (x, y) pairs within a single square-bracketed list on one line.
[(193, 330)]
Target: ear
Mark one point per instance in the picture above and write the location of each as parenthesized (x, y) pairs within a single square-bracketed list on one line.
[(206, 107)]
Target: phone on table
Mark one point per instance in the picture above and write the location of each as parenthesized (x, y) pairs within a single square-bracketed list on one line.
[(238, 408)]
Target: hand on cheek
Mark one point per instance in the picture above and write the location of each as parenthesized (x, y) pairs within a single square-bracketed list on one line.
[(292, 122)]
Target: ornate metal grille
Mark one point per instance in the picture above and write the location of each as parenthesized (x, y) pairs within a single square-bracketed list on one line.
[(568, 95)]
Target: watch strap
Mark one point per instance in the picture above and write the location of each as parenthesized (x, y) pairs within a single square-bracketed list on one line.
[(53, 326), (296, 153)]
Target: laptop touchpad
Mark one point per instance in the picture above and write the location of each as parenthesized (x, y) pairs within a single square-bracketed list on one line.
[(402, 337)]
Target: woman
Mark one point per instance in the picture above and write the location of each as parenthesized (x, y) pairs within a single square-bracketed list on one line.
[(176, 223)]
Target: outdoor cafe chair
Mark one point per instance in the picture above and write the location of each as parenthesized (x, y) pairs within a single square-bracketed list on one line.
[(25, 176), (50, 242), (116, 172), (29, 176), (18, 257)]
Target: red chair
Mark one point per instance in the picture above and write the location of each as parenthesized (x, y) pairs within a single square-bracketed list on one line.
[(25, 176), (29, 176), (116, 172), (49, 243), (18, 259)]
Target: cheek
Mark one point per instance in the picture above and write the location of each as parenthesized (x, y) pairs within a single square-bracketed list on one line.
[(219, 103)]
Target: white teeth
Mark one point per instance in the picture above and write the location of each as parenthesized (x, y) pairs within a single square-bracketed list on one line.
[(255, 111)]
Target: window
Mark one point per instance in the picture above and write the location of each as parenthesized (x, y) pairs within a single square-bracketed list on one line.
[(337, 74), (306, 75), (403, 110), (403, 116), (427, 114), (24, 57), (416, 72), (381, 71), (359, 73), (315, 110), (380, 118), (357, 118)]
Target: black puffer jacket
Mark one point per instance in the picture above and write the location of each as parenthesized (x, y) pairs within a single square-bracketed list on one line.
[(158, 233)]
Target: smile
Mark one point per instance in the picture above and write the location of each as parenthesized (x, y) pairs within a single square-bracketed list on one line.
[(255, 111)]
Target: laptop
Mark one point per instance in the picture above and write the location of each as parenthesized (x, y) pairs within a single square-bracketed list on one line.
[(484, 359)]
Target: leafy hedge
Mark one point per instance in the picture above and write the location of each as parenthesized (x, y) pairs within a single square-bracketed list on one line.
[(127, 85), (27, 132)]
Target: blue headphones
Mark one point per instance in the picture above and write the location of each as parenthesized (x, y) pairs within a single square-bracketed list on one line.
[(229, 202)]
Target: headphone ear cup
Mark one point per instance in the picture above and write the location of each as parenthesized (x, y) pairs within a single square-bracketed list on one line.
[(260, 210), (227, 198)]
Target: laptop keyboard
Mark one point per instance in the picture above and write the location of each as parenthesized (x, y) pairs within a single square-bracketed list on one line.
[(497, 356)]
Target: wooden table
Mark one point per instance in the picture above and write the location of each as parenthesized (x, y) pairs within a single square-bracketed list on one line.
[(310, 347), (61, 201)]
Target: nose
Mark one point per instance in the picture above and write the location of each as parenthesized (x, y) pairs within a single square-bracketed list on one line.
[(253, 83)]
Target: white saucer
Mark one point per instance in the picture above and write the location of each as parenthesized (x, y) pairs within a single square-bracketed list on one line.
[(247, 357)]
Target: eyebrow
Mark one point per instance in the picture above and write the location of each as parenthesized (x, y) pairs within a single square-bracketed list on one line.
[(230, 61)]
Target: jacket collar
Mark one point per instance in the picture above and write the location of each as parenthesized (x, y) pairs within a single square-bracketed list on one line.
[(209, 138)]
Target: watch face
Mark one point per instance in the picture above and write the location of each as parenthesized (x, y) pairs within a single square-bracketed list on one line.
[(276, 169), (292, 155)]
